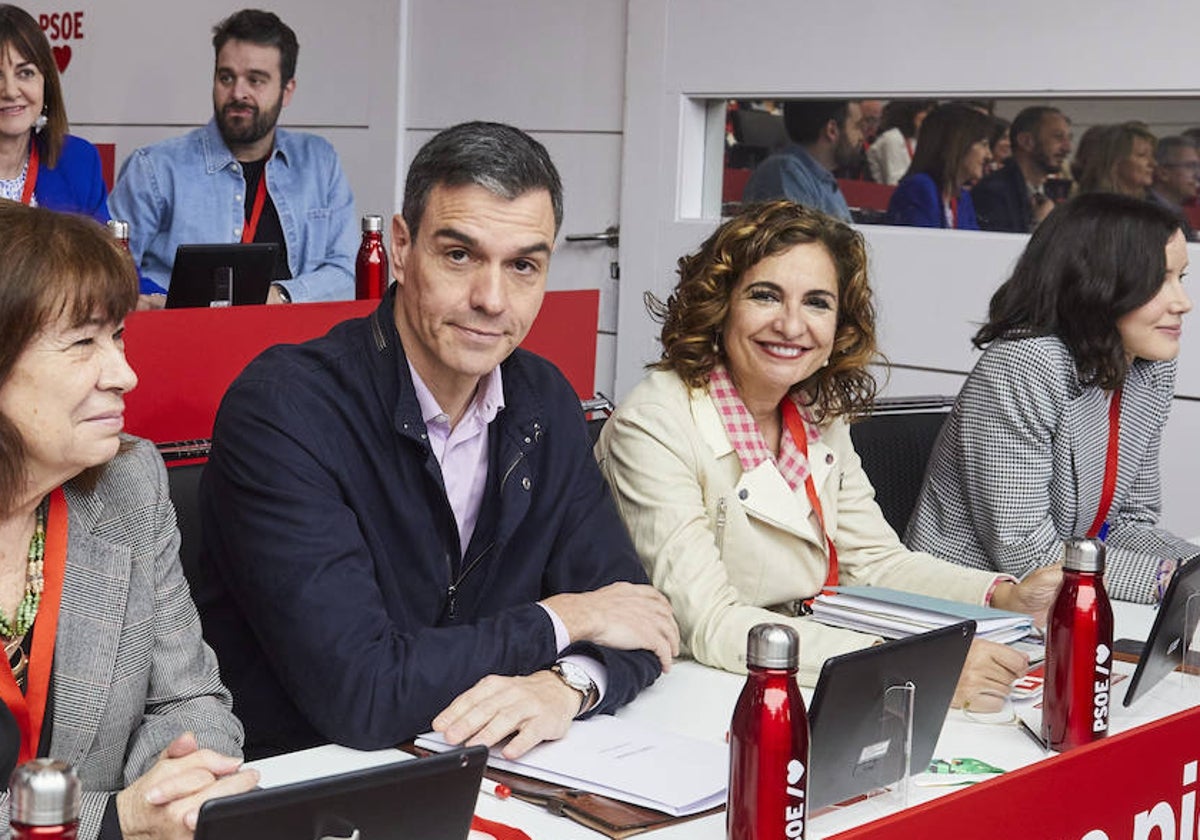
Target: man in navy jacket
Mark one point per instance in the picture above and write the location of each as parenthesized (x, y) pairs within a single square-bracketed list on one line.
[(1013, 198), (403, 523)]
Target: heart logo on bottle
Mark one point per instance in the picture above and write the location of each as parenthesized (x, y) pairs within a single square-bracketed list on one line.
[(795, 771), (62, 57), (1102, 653)]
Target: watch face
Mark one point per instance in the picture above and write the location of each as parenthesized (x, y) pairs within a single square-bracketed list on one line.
[(575, 676)]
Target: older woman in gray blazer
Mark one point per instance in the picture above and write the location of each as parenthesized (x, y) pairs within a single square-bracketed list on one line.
[(106, 666), (1080, 354)]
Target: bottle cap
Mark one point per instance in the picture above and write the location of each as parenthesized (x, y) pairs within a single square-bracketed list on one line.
[(118, 228), (372, 223), (1083, 556), (44, 791), (773, 646)]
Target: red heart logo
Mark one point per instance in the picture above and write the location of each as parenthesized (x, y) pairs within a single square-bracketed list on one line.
[(62, 57)]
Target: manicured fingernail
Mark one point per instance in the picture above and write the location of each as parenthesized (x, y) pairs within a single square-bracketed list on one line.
[(191, 818)]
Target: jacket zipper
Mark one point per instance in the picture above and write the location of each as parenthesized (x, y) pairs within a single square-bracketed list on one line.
[(721, 505), (452, 590)]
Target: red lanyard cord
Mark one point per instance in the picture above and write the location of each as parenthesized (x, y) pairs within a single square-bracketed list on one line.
[(795, 426), (260, 199), (31, 175), (29, 708), (1110, 465)]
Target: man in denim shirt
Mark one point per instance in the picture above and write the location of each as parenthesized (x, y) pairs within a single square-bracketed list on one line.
[(826, 136), (240, 179)]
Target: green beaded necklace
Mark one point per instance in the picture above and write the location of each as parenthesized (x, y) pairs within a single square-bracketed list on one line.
[(28, 608)]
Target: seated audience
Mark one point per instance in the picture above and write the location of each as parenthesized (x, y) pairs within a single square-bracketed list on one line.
[(106, 667), (872, 117), (826, 135), (241, 179), (892, 152), (409, 505), (953, 153), (732, 463), (1176, 178), (1000, 144), (1087, 148), (1122, 161), (1079, 351), (40, 163), (1013, 198)]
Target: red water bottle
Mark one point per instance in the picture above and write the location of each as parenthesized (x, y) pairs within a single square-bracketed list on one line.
[(1078, 651), (44, 800), (768, 742), (370, 270)]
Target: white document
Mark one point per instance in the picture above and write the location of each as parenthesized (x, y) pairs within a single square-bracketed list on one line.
[(624, 761)]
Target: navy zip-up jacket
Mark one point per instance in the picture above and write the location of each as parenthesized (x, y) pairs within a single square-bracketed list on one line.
[(332, 585)]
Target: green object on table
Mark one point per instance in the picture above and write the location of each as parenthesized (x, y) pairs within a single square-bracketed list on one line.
[(962, 765)]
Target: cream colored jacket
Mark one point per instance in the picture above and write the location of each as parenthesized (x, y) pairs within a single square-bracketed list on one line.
[(733, 549)]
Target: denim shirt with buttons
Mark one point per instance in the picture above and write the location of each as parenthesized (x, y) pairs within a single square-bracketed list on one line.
[(190, 190)]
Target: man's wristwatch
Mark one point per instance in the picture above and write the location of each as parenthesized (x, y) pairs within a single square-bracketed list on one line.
[(283, 292), (578, 679)]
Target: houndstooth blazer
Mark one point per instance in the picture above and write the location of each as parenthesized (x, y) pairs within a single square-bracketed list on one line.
[(1019, 465), (131, 671)]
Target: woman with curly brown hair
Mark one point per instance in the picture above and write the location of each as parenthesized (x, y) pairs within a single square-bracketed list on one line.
[(732, 464)]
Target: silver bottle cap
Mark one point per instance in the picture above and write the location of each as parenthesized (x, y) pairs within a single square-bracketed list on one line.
[(1083, 556), (773, 646), (372, 223), (118, 228), (44, 791)]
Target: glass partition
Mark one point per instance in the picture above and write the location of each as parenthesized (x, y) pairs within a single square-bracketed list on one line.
[(756, 129)]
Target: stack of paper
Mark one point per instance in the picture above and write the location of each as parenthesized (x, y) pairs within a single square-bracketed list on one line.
[(624, 761), (894, 614)]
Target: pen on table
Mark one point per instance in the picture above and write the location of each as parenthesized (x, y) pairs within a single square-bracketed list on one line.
[(496, 789)]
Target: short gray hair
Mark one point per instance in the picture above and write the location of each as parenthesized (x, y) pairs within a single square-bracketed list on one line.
[(503, 160), (1167, 146)]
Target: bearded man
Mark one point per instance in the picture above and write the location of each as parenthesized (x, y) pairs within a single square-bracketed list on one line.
[(241, 179)]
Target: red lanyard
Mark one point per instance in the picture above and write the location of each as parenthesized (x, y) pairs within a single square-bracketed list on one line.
[(29, 708), (1110, 465), (908, 144), (260, 198), (795, 427), (954, 212), (31, 174)]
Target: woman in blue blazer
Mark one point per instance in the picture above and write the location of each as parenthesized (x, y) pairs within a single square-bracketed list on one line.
[(40, 164), (1056, 432), (953, 150)]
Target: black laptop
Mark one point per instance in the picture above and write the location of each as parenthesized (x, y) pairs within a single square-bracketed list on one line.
[(1168, 639), (429, 798), (858, 726), (200, 269)]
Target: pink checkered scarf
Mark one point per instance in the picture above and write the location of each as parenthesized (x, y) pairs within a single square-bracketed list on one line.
[(746, 438)]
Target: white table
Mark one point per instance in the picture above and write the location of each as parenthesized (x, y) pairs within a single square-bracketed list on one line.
[(697, 701)]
